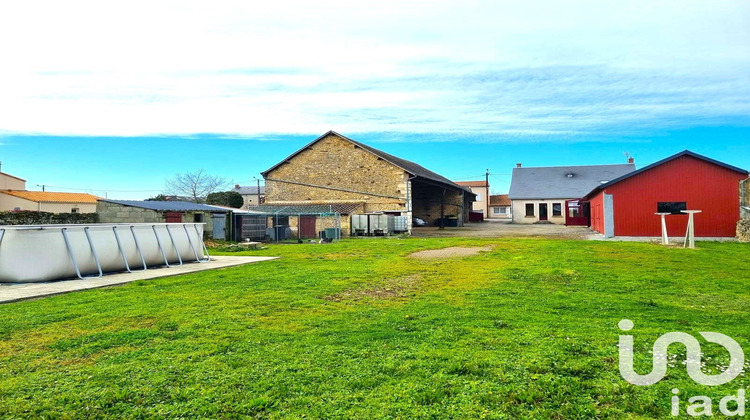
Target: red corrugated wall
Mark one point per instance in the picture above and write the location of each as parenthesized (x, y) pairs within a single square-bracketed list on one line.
[(703, 185), (597, 213)]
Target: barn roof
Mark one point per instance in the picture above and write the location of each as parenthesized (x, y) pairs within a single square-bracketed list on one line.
[(295, 209), (167, 205), (562, 181), (661, 162), (408, 166)]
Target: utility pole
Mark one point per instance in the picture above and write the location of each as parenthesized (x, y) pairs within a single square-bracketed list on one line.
[(487, 192), (258, 190)]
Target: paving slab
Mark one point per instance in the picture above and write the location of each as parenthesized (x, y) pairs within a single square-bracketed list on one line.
[(12, 292)]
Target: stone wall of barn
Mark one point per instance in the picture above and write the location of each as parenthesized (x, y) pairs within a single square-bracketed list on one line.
[(334, 169), (743, 230)]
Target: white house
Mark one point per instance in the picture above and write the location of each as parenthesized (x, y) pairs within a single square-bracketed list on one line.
[(550, 194)]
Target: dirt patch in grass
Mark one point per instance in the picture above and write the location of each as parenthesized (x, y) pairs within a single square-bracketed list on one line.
[(452, 252), (391, 289)]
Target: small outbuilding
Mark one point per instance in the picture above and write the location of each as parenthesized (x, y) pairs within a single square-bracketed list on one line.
[(125, 211), (500, 206), (626, 206)]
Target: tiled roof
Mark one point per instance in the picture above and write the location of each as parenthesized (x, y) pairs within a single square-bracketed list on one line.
[(53, 197), (249, 190), (499, 200), (562, 181), (297, 208), (472, 183), (167, 205)]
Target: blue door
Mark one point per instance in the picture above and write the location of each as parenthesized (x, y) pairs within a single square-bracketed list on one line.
[(220, 224)]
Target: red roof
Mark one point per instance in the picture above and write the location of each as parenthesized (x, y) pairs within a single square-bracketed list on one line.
[(472, 183), (499, 200), (53, 197)]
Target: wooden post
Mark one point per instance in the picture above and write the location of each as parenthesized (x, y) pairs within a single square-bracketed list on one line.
[(690, 234), (664, 236), (442, 210)]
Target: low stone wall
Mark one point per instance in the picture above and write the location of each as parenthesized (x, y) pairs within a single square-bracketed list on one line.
[(45, 218), (117, 213), (743, 230)]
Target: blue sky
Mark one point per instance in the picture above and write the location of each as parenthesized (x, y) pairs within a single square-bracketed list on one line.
[(90, 104)]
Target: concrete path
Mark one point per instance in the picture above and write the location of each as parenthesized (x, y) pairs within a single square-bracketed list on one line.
[(10, 292)]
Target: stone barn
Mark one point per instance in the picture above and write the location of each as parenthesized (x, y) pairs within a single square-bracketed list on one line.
[(336, 170)]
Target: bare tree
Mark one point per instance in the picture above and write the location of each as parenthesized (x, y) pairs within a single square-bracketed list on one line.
[(196, 185)]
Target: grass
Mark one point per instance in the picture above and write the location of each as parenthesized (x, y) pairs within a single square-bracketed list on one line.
[(356, 329)]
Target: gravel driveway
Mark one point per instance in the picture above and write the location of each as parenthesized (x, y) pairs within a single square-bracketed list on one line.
[(506, 229)]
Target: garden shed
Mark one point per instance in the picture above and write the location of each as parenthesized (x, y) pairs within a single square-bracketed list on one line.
[(626, 206), (125, 211)]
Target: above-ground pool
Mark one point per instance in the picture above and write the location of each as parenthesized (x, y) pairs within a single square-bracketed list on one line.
[(55, 252)]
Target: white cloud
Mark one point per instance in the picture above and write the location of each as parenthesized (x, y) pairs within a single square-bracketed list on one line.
[(515, 68)]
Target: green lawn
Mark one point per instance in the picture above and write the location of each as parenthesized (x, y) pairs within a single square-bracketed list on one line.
[(356, 329)]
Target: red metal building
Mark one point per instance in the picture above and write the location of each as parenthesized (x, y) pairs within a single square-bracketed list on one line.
[(626, 206)]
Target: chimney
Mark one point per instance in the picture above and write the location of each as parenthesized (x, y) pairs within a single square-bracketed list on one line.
[(631, 160), (236, 186), (518, 165)]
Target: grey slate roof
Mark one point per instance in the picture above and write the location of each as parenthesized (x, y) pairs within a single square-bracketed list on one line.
[(562, 181), (168, 205), (408, 166), (250, 190)]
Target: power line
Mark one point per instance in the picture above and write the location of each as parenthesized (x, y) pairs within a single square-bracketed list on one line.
[(96, 189)]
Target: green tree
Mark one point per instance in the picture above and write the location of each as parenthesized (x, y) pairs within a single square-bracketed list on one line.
[(225, 198), (159, 197)]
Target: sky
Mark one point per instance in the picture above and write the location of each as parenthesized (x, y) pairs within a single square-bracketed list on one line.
[(114, 98)]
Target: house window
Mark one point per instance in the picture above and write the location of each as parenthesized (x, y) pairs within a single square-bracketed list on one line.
[(75, 210), (479, 197), (503, 210), (556, 209), (529, 209), (673, 207), (198, 218), (496, 210)]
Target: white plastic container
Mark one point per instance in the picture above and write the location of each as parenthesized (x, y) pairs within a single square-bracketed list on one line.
[(55, 252)]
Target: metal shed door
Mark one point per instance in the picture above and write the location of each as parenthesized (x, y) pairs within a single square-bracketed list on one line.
[(174, 217), (609, 216), (307, 227), (220, 223)]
